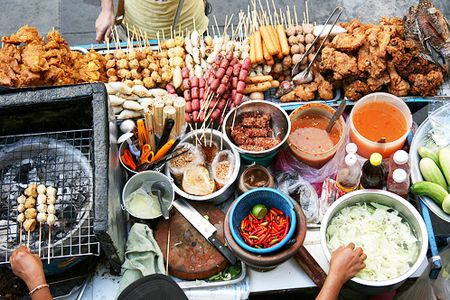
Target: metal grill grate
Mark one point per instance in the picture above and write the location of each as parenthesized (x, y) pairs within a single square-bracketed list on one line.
[(60, 159)]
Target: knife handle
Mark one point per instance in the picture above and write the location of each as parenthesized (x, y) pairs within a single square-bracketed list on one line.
[(223, 250)]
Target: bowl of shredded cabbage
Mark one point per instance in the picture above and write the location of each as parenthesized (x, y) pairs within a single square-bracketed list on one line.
[(387, 227)]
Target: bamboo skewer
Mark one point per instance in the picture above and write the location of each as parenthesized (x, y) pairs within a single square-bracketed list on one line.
[(29, 237), (49, 242), (40, 238), (20, 234), (168, 250)]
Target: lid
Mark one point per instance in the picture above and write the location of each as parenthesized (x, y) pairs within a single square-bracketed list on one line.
[(376, 159), (399, 175), (401, 157), (350, 160), (155, 286), (351, 148)]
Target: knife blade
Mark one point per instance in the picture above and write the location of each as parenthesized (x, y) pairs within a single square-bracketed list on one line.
[(204, 227)]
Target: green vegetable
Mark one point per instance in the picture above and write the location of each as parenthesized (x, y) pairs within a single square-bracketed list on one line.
[(231, 272), (430, 189), (427, 152), (446, 204), (259, 211), (444, 159), (431, 172)]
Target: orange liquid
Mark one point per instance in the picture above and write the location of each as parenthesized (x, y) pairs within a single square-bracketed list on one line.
[(378, 120), (310, 135)]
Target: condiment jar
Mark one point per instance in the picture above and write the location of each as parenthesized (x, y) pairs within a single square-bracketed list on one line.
[(255, 176)]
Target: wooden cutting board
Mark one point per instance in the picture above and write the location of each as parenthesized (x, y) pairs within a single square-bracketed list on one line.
[(191, 256)]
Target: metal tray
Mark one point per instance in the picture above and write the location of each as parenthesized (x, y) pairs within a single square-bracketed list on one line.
[(270, 96), (416, 176)]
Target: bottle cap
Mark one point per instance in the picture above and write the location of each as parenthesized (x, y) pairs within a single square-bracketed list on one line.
[(376, 159), (399, 175), (401, 157), (351, 148), (350, 160)]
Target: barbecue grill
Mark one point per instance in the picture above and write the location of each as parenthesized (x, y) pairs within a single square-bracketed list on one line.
[(63, 137)]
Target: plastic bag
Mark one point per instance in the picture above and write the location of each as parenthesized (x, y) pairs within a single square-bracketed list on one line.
[(301, 191), (222, 167), (427, 289), (194, 157)]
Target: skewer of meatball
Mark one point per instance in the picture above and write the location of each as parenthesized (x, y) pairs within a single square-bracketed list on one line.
[(42, 210), (30, 211), (51, 217)]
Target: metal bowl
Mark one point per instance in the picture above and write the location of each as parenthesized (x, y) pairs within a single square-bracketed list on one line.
[(228, 189), (136, 181), (406, 210), (281, 124), (416, 176)]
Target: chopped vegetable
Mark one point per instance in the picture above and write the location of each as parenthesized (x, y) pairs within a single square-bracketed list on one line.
[(267, 231), (387, 240), (231, 272)]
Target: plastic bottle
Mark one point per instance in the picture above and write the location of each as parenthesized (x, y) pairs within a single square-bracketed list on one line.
[(399, 160), (347, 179), (373, 173), (351, 148), (398, 183)]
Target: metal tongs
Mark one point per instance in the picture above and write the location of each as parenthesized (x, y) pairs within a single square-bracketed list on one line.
[(305, 76)]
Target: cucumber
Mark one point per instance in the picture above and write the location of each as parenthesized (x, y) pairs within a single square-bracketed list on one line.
[(446, 204), (431, 172), (430, 189), (427, 152), (444, 160)]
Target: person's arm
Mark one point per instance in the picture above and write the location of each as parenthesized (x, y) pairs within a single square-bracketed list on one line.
[(345, 263), (104, 21), (28, 267)]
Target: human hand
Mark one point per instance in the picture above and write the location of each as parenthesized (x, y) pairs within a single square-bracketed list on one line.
[(28, 267), (346, 262), (103, 24)]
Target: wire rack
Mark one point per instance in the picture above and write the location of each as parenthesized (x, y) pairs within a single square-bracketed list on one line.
[(63, 160)]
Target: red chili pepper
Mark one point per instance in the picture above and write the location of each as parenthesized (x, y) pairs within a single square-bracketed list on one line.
[(279, 212)]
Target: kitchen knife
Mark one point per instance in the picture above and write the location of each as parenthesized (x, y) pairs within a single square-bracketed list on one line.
[(204, 227)]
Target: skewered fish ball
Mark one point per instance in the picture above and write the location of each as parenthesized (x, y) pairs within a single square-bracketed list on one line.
[(149, 82), (110, 64), (109, 56), (208, 40), (119, 54), (41, 189), (30, 213), (298, 29), (308, 28), (41, 217), (51, 191), (146, 73), (179, 41), (51, 199), (42, 208), (300, 38), (21, 199), (135, 74), (133, 64), (30, 202), (20, 218), (170, 43), (138, 82), (131, 55), (309, 38), (144, 63), (129, 83), (113, 79), (122, 64), (51, 219), (21, 208), (291, 31), (123, 73), (29, 225), (177, 61), (31, 190), (292, 40), (41, 199)]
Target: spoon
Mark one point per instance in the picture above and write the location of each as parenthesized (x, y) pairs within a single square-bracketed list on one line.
[(159, 189), (336, 115)]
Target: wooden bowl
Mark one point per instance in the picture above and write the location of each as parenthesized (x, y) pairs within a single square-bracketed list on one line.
[(270, 261)]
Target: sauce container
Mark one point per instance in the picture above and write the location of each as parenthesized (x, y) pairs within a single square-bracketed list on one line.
[(255, 176), (366, 146), (318, 158)]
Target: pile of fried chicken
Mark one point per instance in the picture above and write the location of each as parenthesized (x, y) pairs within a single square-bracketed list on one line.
[(26, 59), (370, 58)]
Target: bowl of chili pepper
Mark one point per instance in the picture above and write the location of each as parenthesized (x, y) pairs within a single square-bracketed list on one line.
[(262, 220)]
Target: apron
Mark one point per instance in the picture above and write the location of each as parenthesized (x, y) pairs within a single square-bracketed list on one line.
[(152, 16)]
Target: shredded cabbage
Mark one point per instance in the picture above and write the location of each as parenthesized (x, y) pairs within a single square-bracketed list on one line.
[(387, 240)]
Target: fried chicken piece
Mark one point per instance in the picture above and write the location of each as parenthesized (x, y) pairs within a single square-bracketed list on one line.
[(289, 97), (395, 26), (397, 86), (25, 34), (426, 84), (369, 62), (343, 65), (375, 84), (402, 52), (33, 57), (307, 91), (28, 78), (324, 87), (352, 25), (355, 90), (348, 42)]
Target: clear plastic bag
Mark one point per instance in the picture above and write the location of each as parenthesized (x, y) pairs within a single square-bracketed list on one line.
[(427, 289), (222, 167), (194, 157), (301, 191)]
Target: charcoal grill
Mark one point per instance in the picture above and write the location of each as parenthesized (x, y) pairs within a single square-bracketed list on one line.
[(64, 137)]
